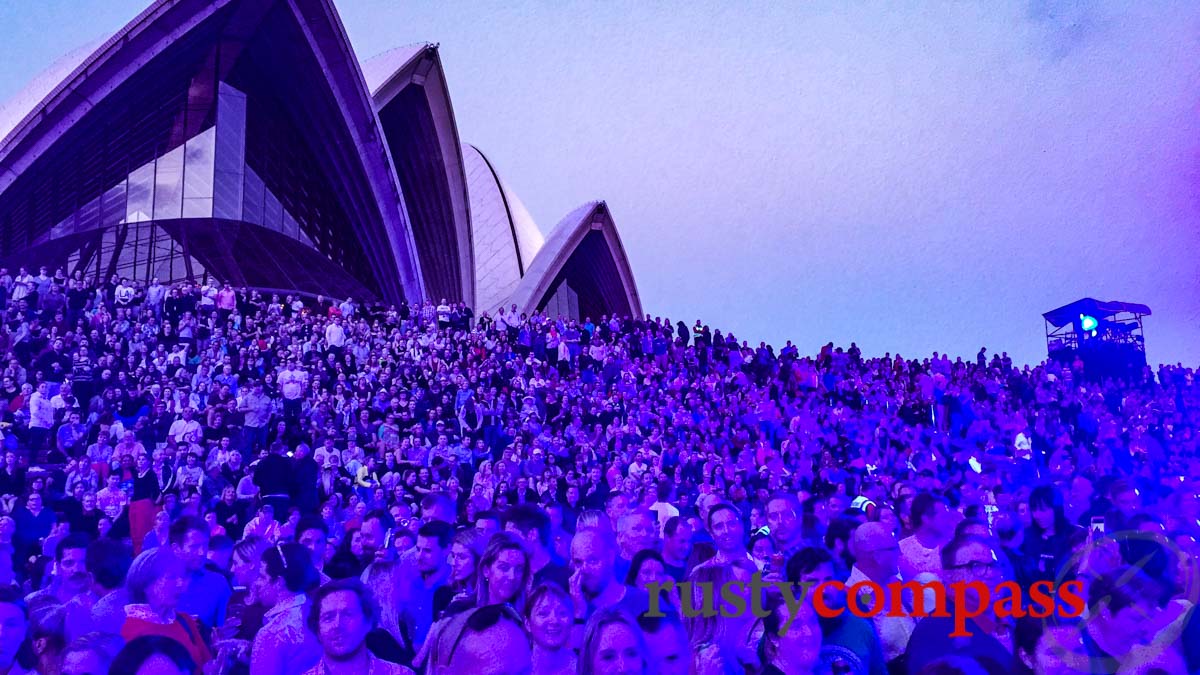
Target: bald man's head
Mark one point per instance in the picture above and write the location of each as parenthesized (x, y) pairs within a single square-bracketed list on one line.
[(593, 553), (876, 551)]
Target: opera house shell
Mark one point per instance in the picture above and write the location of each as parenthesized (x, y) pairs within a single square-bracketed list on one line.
[(242, 142)]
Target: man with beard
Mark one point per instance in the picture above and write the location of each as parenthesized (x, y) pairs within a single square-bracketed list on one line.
[(71, 578), (341, 616), (593, 584)]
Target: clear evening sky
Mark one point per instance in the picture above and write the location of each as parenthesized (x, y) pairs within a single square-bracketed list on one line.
[(913, 176)]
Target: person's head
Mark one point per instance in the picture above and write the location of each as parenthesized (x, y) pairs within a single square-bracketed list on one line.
[(246, 561), (969, 558), (433, 542), (70, 562), (438, 506), (667, 642), (489, 640), (48, 633), (616, 505), (791, 639), (504, 570), (154, 655), (107, 561), (613, 644), (1047, 511), (813, 565), (286, 570), (156, 578), (374, 532), (341, 615), (549, 615), (725, 525), (488, 523), (91, 654), (636, 530), (1126, 498), (647, 567), (531, 525), (1047, 648), (313, 534), (783, 519), (465, 552), (189, 539), (876, 551), (677, 539), (592, 556), (930, 515)]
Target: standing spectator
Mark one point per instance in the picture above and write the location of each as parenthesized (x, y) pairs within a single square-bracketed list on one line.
[(207, 593), (285, 645)]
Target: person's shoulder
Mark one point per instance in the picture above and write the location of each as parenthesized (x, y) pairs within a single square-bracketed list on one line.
[(381, 667)]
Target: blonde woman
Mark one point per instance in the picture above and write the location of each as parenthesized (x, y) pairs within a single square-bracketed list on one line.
[(613, 644)]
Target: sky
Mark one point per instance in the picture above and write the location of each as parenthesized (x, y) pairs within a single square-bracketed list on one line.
[(915, 177)]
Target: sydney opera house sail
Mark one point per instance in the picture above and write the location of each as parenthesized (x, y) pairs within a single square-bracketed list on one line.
[(241, 142)]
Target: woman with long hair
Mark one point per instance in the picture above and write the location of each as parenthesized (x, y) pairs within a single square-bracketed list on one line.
[(648, 567), (714, 638), (244, 611), (1047, 544), (392, 638), (504, 572), (795, 652), (465, 553), (613, 644)]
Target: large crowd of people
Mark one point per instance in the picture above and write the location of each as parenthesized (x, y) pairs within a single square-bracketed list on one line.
[(199, 478)]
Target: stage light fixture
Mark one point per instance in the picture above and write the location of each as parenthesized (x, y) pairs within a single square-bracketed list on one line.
[(1089, 323)]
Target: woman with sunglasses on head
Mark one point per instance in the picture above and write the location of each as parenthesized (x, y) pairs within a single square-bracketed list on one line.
[(284, 645)]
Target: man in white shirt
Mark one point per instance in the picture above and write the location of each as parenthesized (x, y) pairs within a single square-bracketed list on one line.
[(877, 556), (335, 335), (123, 296), (663, 507), (22, 285), (292, 382), (185, 431), (921, 553), (41, 418)]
